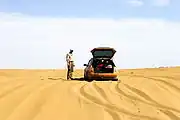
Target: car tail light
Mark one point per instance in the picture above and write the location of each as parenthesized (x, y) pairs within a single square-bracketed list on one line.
[(100, 65)]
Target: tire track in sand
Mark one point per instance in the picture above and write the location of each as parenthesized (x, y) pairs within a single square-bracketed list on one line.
[(102, 93), (18, 96), (160, 80), (7, 92), (31, 106), (6, 82), (168, 77), (9, 82), (110, 107), (74, 89), (170, 115), (148, 98), (113, 114), (166, 112)]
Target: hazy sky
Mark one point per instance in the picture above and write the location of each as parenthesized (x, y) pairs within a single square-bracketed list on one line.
[(38, 34)]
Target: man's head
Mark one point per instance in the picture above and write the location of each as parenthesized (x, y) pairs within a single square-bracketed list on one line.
[(71, 51)]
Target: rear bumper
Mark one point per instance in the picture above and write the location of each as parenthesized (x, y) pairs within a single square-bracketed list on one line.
[(106, 76)]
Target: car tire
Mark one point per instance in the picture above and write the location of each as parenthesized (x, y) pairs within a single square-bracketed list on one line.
[(89, 80), (85, 77)]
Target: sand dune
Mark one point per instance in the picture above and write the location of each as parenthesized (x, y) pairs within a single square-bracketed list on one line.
[(141, 94)]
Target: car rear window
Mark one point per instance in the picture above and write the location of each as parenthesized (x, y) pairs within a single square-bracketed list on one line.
[(103, 53)]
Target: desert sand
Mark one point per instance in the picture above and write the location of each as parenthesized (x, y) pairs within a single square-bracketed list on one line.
[(140, 94)]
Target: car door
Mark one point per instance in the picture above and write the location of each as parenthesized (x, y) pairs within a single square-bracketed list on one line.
[(89, 66), (87, 69)]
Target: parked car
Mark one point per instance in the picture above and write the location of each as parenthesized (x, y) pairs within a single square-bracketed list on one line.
[(101, 66)]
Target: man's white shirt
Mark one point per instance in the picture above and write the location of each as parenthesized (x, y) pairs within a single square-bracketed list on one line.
[(69, 57)]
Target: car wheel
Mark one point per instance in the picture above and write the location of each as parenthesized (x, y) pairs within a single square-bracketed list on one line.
[(89, 80), (85, 77)]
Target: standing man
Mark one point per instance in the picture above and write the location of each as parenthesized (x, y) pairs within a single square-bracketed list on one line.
[(70, 63)]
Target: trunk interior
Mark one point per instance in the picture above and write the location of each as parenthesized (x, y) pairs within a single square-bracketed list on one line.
[(103, 66)]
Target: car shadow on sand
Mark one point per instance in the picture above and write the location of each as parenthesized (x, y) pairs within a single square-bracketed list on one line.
[(83, 79), (50, 78), (78, 78)]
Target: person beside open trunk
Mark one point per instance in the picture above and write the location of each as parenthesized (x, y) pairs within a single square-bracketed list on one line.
[(70, 63)]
